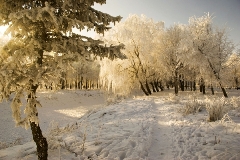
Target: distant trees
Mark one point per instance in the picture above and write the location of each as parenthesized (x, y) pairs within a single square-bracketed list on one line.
[(82, 74), (38, 27), (194, 54)]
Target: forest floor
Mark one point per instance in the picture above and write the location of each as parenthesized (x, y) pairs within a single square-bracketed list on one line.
[(91, 125)]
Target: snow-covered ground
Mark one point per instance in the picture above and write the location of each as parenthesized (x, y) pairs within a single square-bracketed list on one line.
[(83, 125), (62, 106)]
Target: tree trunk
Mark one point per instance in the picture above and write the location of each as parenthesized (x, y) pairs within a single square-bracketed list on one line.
[(51, 86), (202, 85), (81, 83), (176, 83), (236, 82), (176, 88), (97, 83), (194, 86), (161, 86), (153, 87), (212, 89), (68, 84), (182, 85), (41, 142), (191, 85), (181, 82), (203, 89), (76, 84), (143, 89), (148, 88), (218, 79), (223, 90), (156, 85), (62, 84), (186, 85), (39, 139)]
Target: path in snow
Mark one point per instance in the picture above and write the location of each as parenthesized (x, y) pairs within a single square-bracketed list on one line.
[(161, 147), (192, 137)]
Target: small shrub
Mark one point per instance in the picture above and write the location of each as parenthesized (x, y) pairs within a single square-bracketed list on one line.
[(216, 108), (192, 106)]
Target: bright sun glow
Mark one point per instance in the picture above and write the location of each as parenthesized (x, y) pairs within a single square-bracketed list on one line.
[(2, 30), (90, 33)]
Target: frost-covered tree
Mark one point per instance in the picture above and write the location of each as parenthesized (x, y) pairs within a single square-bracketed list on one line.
[(37, 27), (115, 78), (171, 56), (140, 36), (208, 46), (233, 70)]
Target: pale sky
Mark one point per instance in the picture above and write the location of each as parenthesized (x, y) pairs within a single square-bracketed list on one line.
[(225, 12)]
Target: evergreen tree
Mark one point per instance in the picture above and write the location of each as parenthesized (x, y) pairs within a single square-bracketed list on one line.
[(38, 27)]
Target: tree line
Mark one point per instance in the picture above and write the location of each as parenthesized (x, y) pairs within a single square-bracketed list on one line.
[(198, 53)]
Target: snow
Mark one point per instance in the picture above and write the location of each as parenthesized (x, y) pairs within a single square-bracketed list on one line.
[(85, 125), (62, 107)]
